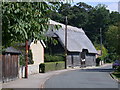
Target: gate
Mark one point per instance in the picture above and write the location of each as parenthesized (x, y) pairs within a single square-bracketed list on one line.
[(9, 67), (10, 64)]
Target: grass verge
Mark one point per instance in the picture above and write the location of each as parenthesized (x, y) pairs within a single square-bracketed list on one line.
[(116, 75)]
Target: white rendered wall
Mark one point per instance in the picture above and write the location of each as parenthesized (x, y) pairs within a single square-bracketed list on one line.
[(37, 52)]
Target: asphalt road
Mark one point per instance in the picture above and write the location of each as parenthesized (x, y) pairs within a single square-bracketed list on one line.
[(86, 78)]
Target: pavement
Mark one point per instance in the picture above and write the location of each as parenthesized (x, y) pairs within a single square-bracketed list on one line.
[(33, 81), (37, 80)]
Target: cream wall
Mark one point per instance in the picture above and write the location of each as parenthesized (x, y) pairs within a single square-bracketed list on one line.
[(37, 52)]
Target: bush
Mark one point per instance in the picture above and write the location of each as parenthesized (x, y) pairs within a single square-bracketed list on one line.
[(30, 57), (42, 68), (54, 58), (22, 60), (112, 57), (51, 66), (118, 69), (98, 61), (104, 52)]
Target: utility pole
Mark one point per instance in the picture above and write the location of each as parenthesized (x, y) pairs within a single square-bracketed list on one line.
[(26, 59), (101, 41), (66, 22)]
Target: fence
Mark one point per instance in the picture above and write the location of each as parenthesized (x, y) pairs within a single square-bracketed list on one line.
[(9, 67)]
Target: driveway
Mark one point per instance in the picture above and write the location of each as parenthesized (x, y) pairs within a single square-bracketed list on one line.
[(83, 78)]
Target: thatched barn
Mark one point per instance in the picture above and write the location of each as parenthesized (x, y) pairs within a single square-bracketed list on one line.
[(80, 50)]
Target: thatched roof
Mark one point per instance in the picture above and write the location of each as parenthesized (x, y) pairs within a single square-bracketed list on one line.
[(76, 40)]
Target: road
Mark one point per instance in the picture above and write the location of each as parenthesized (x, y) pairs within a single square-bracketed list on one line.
[(83, 78)]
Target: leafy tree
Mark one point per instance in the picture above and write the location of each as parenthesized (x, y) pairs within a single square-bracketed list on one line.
[(114, 18), (83, 7), (23, 21), (65, 9), (84, 16), (91, 19), (104, 51), (98, 18), (113, 39)]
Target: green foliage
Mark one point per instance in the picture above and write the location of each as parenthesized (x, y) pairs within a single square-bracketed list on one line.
[(23, 21), (91, 19), (51, 66), (28, 20), (82, 15), (118, 70), (115, 18), (42, 68), (98, 61), (30, 58), (116, 74), (113, 38), (22, 60), (54, 58), (104, 51)]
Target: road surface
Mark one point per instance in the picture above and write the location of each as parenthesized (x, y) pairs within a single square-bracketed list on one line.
[(83, 78)]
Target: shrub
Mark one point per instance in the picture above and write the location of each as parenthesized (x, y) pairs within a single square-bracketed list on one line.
[(104, 51), (54, 58), (98, 61), (118, 69), (22, 60), (42, 68), (51, 66), (30, 58)]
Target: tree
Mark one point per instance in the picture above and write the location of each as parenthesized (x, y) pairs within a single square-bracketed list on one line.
[(112, 36), (81, 15), (98, 18), (104, 51), (114, 18), (24, 21)]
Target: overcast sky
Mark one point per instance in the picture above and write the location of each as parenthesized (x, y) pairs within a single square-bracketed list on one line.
[(112, 5)]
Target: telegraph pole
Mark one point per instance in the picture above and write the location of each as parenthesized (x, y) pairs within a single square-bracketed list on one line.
[(66, 22), (26, 59), (101, 41)]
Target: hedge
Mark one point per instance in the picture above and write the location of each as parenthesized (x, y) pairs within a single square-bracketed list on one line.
[(54, 58), (51, 66)]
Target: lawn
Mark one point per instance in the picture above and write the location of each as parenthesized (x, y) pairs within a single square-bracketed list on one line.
[(116, 75)]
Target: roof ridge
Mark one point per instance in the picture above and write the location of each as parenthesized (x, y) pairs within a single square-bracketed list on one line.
[(72, 28)]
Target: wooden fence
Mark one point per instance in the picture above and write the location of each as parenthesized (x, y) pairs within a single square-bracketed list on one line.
[(9, 67)]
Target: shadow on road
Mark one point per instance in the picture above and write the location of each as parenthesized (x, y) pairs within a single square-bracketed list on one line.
[(96, 70)]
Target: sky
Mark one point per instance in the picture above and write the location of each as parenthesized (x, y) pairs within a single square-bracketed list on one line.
[(112, 5)]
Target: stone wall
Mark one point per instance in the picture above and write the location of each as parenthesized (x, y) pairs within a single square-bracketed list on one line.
[(32, 69)]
